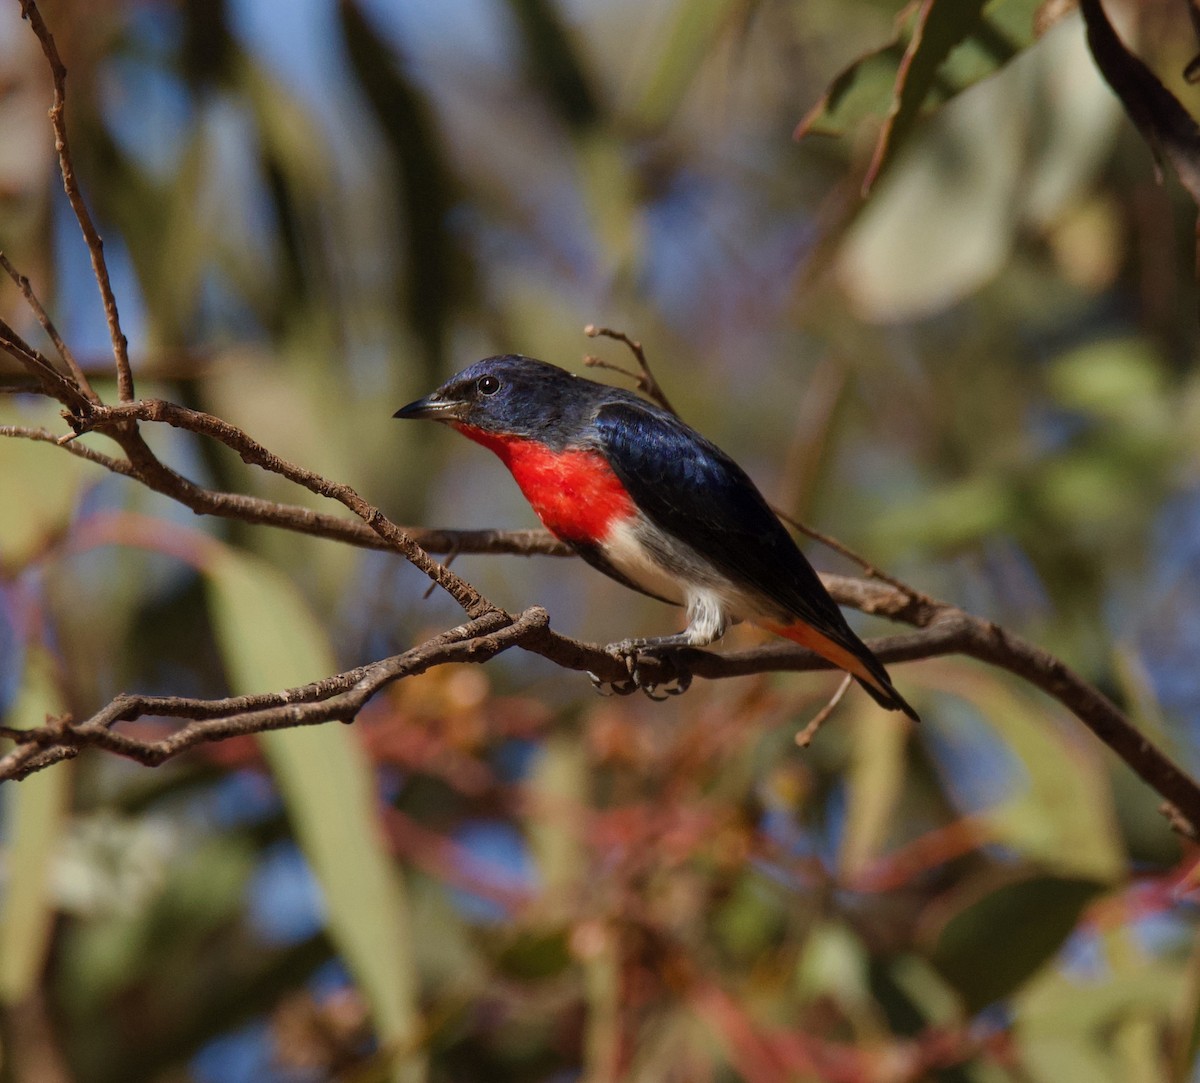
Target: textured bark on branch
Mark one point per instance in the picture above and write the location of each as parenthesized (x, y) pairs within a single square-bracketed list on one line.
[(940, 628)]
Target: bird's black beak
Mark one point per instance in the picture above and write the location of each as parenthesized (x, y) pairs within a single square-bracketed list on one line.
[(433, 407)]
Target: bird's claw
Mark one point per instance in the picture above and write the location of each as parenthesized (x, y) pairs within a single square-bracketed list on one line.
[(630, 655), (612, 688)]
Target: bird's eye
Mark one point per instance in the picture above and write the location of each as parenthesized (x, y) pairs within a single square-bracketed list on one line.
[(488, 385)]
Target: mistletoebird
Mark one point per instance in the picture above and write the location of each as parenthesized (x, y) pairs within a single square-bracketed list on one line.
[(652, 503)]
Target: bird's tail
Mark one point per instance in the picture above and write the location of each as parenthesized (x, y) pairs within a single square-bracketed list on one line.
[(855, 658)]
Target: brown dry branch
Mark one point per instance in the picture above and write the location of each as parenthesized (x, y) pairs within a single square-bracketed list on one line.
[(643, 378), (939, 628), (66, 167), (64, 351)]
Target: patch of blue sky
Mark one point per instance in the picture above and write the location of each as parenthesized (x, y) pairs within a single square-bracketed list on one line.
[(293, 38), (78, 309), (440, 35), (978, 769), (1163, 620), (12, 649), (239, 799), (1166, 932), (1082, 957), (284, 900), (146, 107), (796, 841), (514, 759), (245, 1055), (329, 978), (501, 857)]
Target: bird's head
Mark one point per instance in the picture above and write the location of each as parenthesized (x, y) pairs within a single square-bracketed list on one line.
[(509, 395)]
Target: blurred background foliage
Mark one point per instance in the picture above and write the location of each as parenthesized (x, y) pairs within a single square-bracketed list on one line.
[(982, 374)]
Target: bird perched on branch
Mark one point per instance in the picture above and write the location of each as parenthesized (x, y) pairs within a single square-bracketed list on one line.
[(653, 504)]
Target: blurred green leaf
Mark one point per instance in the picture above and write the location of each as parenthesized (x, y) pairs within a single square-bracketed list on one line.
[(987, 944), (425, 191), (34, 813), (42, 484), (1115, 378), (875, 782), (1061, 814), (533, 956), (752, 919), (1073, 1027), (552, 63), (1186, 1046), (941, 48), (693, 27), (834, 963), (270, 640), (951, 514), (953, 206)]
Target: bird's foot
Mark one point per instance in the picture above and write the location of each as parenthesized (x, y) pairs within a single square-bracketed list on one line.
[(630, 653), (612, 688)]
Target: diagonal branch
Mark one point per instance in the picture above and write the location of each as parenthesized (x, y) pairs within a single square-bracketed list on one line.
[(64, 351), (939, 628), (95, 244)]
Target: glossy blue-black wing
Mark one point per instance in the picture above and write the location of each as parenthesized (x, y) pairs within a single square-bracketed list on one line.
[(689, 488)]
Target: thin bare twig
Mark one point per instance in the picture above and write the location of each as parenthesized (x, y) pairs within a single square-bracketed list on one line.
[(335, 698), (643, 378), (940, 628), (91, 236), (53, 382), (64, 351), (804, 737)]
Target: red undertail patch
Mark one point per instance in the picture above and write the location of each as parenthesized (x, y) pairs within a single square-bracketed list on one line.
[(821, 644), (575, 493)]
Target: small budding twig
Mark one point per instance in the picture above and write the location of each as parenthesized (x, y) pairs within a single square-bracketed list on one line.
[(644, 378), (805, 737)]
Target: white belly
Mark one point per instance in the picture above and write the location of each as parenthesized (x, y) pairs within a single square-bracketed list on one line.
[(670, 570)]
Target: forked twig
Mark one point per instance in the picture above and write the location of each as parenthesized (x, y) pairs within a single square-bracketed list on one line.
[(643, 378), (64, 351)]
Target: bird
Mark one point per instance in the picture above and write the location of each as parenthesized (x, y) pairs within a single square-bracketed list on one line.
[(649, 501)]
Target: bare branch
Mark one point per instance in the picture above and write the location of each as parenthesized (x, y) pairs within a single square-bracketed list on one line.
[(940, 628), (643, 378), (804, 737), (95, 244), (47, 377), (64, 351)]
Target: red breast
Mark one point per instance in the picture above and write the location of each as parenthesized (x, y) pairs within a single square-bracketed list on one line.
[(574, 492)]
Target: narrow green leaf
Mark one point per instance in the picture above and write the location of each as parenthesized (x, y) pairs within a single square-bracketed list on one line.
[(876, 782), (40, 483), (34, 814), (269, 640), (427, 185), (943, 47), (1064, 817), (941, 25), (990, 943), (694, 26)]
